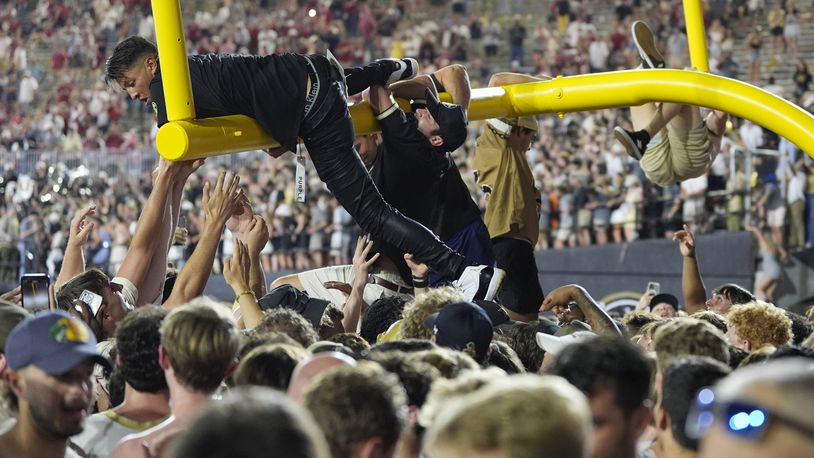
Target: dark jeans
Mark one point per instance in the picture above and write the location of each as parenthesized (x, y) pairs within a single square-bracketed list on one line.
[(328, 134)]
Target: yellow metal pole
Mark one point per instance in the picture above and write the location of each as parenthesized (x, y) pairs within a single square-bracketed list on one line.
[(696, 35), (172, 52), (231, 134)]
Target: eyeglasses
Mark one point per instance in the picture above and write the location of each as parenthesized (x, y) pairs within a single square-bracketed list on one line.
[(740, 418)]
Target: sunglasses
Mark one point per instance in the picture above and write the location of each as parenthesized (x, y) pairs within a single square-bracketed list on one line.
[(743, 419)]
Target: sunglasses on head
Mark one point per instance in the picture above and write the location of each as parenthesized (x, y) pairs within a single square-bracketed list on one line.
[(743, 419)]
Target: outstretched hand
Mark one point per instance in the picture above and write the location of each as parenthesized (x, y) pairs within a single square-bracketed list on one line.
[(256, 236), (686, 242), (239, 223), (361, 265), (81, 226), (417, 268), (236, 269), (223, 201)]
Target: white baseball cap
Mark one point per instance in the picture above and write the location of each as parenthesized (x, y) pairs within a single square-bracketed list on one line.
[(554, 344)]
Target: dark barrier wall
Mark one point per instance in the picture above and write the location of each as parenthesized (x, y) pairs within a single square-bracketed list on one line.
[(605, 270)]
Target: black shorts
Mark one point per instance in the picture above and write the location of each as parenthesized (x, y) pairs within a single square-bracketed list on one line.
[(521, 290), (777, 31)]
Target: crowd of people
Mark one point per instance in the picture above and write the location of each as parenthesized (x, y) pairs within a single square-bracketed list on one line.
[(429, 335)]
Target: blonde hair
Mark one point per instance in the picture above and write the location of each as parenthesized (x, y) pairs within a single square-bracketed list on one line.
[(689, 337), (761, 323), (445, 390), (417, 310), (513, 416), (201, 340)]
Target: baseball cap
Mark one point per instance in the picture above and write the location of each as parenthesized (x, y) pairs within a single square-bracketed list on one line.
[(53, 341), (10, 316), (664, 297), (289, 297), (496, 314), (462, 326), (554, 344), (451, 121)]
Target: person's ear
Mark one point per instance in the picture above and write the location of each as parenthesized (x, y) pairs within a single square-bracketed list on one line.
[(163, 358), (372, 448), (119, 361), (747, 345), (152, 64), (15, 382), (661, 420), (641, 418), (3, 363), (436, 140)]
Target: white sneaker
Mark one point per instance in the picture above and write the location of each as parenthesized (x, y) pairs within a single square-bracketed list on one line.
[(407, 68), (480, 282)]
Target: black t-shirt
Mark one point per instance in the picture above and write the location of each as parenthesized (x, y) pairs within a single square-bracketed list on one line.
[(420, 182), (270, 89)]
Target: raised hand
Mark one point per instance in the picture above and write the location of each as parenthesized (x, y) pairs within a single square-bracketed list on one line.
[(560, 298), (224, 200), (256, 236), (239, 222), (81, 226), (361, 265), (417, 268), (236, 269), (686, 242)]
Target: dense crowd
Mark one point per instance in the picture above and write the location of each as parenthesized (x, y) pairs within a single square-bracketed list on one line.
[(348, 358)]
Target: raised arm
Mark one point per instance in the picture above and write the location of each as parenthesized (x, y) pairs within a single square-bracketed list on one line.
[(695, 294), (508, 78), (236, 273), (355, 305), (600, 321), (453, 79), (73, 263), (219, 205)]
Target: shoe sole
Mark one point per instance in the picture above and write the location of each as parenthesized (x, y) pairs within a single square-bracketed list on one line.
[(489, 283), (398, 75), (646, 44), (628, 143)]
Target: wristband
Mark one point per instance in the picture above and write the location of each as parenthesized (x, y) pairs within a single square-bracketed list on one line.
[(387, 112), (419, 282)]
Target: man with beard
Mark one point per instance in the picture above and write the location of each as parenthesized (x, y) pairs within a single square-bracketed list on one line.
[(50, 363)]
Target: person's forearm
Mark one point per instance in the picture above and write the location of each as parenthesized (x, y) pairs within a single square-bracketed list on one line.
[(250, 311), (195, 273), (257, 278), (600, 321), (354, 308), (412, 89), (139, 256), (455, 81), (73, 264), (695, 294)]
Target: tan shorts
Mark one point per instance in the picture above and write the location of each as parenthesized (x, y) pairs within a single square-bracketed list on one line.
[(678, 156)]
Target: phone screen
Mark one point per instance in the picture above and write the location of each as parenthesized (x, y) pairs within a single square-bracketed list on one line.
[(653, 287), (93, 300), (35, 291)]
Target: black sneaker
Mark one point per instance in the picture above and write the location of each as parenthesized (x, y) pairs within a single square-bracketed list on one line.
[(646, 44), (405, 69), (634, 142)]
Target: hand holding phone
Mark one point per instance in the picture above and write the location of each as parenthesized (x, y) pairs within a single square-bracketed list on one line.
[(34, 289), (653, 287), (93, 301)]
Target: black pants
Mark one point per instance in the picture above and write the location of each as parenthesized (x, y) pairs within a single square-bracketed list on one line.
[(521, 291), (328, 134)]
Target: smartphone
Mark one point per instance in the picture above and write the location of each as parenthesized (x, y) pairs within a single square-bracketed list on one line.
[(654, 287), (34, 289), (93, 300)]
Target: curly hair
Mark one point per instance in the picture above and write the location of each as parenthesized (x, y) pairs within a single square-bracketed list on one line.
[(504, 357), (800, 327), (137, 341), (417, 310), (380, 315), (288, 322), (522, 338), (760, 323), (351, 340)]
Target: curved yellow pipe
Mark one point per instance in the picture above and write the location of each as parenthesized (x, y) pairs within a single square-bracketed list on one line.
[(215, 136)]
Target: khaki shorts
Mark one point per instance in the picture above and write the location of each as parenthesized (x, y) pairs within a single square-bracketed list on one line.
[(312, 282), (677, 156)]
